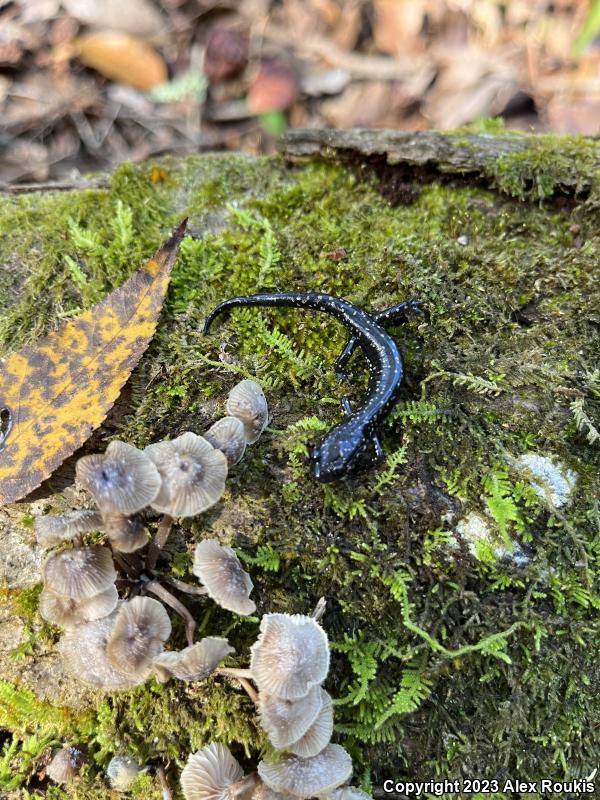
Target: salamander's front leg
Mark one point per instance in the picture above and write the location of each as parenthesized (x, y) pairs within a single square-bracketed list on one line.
[(398, 313), (344, 357), (346, 407), (376, 442)]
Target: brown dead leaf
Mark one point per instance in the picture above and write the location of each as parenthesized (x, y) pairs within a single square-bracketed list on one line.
[(138, 18), (54, 392), (122, 58)]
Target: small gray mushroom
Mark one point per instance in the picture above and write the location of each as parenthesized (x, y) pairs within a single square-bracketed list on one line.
[(226, 582), (83, 648), (228, 436), (193, 475), (247, 402), (79, 573), (193, 663), (122, 480), (290, 656), (125, 532), (65, 611), (53, 530), (286, 721), (122, 772), (65, 765), (141, 628), (308, 777), (318, 736), (213, 774)]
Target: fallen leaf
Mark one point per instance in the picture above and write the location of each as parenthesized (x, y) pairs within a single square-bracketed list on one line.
[(122, 58), (54, 392), (137, 17)]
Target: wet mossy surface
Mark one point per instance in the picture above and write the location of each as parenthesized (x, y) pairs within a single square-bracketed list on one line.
[(446, 662)]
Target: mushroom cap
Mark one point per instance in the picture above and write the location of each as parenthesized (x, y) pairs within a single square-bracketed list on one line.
[(65, 611), (307, 777), (141, 628), (349, 793), (83, 648), (209, 772), (123, 479), (193, 475), (126, 532), (318, 735), (290, 656), (228, 436), (121, 772), (247, 402), (286, 721), (65, 764), (80, 572), (53, 530), (226, 582), (193, 663)]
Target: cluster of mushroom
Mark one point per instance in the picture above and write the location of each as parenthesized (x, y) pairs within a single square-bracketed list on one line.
[(289, 662), (117, 644)]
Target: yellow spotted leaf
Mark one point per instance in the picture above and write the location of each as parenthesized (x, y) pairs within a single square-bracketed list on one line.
[(54, 392)]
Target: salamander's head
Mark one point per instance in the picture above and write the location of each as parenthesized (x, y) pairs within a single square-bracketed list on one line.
[(339, 453)]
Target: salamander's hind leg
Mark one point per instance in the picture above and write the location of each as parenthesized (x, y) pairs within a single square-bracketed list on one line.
[(398, 313), (346, 407), (344, 357)]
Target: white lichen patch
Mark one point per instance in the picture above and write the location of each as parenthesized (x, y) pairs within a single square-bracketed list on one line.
[(484, 544), (475, 530), (549, 479)]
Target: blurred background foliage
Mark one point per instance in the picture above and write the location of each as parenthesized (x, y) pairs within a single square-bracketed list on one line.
[(86, 84)]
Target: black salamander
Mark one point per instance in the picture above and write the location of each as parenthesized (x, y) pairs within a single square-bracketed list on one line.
[(344, 447)]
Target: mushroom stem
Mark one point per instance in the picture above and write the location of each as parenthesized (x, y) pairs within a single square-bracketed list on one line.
[(190, 624), (241, 675), (162, 779), (160, 539), (188, 588), (249, 689)]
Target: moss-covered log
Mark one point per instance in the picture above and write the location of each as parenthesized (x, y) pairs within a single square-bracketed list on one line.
[(462, 576)]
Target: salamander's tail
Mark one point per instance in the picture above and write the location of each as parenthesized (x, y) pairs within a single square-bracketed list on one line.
[(291, 299)]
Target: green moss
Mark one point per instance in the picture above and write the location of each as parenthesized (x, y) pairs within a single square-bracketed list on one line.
[(442, 662), (548, 165)]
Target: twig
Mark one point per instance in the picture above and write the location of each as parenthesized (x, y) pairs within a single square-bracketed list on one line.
[(367, 67)]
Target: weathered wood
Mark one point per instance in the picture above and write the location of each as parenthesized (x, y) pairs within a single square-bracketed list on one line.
[(468, 154)]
